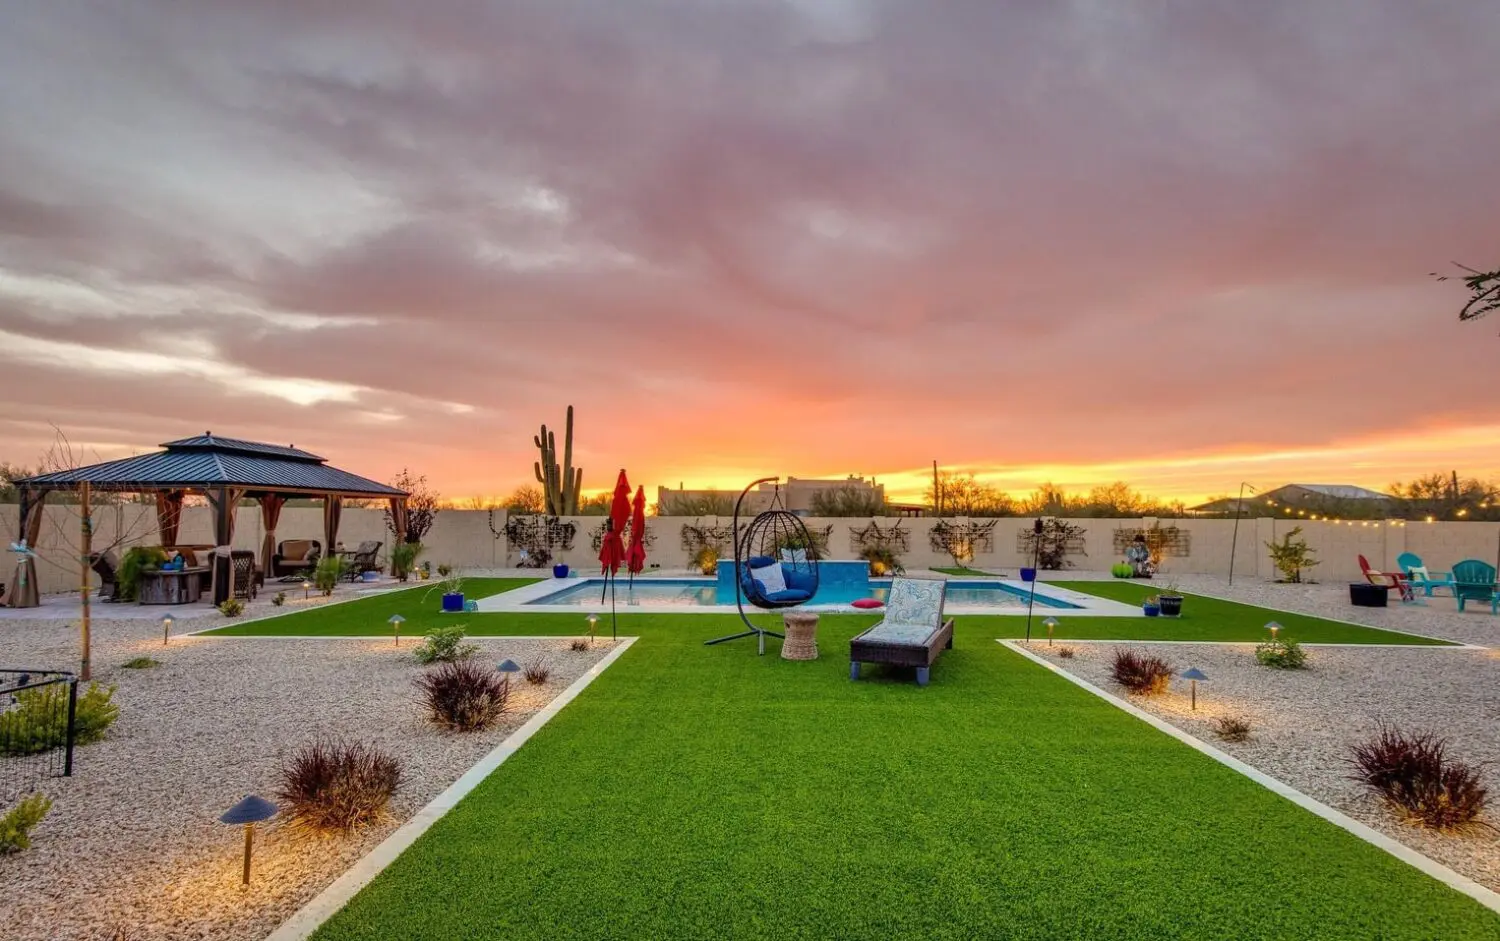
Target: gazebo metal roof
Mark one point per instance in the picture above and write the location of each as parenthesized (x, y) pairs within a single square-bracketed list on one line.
[(206, 461)]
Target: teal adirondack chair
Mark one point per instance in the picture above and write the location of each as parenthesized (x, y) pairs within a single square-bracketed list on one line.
[(1474, 580), (1420, 577)]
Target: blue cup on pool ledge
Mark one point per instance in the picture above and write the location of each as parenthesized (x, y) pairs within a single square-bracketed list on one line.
[(1028, 575)]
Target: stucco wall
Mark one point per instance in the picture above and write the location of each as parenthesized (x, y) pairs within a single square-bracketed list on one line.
[(475, 538)]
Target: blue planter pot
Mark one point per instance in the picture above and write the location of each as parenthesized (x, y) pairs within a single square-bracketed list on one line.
[(559, 571), (1150, 610), (453, 602), (1028, 575)]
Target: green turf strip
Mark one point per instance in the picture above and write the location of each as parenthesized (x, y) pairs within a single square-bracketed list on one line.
[(1215, 619), (418, 604), (704, 792), (962, 572)]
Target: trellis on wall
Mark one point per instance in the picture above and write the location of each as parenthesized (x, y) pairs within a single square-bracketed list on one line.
[(1160, 540), (962, 539), (596, 536), (875, 536), (538, 537), (1052, 546), (697, 536)]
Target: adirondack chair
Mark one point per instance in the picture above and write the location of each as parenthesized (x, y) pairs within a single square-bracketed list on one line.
[(1387, 580), (1474, 580), (1420, 577)]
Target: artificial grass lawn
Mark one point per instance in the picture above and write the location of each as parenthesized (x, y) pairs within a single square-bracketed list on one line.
[(963, 572), (418, 604), (705, 792), (1215, 619)]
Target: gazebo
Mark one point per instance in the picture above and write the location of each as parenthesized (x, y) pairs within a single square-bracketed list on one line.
[(226, 471)]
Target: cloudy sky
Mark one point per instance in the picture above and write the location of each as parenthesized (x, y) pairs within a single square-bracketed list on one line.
[(1181, 243)]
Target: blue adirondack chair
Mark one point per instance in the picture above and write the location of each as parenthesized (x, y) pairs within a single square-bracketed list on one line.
[(1420, 577), (1474, 580)]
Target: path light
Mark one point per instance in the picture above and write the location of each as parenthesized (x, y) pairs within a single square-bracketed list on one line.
[(166, 628), (1051, 625), (1275, 629), (306, 588), (250, 811), (507, 667), (396, 622), (593, 620), (1193, 676)]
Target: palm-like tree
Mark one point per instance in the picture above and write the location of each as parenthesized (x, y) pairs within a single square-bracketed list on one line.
[(1485, 286)]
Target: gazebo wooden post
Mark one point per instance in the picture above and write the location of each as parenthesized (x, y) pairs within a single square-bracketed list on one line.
[(86, 533), (222, 528)]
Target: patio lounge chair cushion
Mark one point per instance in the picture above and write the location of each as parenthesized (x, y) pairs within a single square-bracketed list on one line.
[(914, 601), (296, 550)]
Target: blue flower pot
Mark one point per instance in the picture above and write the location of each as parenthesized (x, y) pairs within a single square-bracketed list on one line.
[(1150, 610), (453, 602), (559, 571), (1028, 575)]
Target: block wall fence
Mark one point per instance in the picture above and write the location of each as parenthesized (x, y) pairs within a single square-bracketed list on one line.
[(474, 539)]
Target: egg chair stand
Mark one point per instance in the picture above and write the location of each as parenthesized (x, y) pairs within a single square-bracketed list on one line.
[(760, 546)]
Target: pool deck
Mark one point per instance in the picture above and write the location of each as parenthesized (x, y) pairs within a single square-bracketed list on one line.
[(520, 599)]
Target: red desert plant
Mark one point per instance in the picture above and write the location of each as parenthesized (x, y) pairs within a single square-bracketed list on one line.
[(330, 786), (1414, 773), (463, 695), (1141, 673), (537, 671)]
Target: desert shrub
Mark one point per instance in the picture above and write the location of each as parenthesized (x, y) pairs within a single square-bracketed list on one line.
[(444, 645), (463, 695), (231, 607), (1292, 556), (329, 786), (706, 560), (326, 576), (15, 826), (39, 719), (279, 599), (883, 560), (403, 557), (1415, 774), (444, 570), (1231, 728), (1141, 673), (1067, 653), (578, 645), (537, 671), (141, 663), (1283, 653)]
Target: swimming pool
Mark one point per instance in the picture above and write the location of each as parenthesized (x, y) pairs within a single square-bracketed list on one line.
[(704, 592)]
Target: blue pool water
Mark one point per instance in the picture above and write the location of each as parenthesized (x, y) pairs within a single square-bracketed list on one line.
[(704, 592)]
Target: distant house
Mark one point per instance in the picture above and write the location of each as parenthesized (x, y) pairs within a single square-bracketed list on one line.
[(1302, 499), (796, 493)]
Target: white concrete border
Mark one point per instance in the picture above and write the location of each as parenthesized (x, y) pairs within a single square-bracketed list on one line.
[(1445, 645), (1484, 896), (328, 902)]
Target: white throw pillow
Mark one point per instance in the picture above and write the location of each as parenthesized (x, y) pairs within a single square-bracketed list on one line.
[(1419, 572), (770, 577), (793, 556)]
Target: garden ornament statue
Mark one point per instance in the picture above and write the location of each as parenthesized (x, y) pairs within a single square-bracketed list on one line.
[(1138, 554)]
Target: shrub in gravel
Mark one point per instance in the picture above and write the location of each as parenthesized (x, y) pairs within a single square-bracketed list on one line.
[(15, 826), (278, 599), (445, 645), (231, 607), (140, 663), (463, 695), (1067, 653), (1282, 653), (537, 671), (1415, 774), (579, 645), (39, 719), (1141, 673), (1231, 728), (330, 786)]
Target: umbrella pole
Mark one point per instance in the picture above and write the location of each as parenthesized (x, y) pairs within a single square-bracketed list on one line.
[(614, 632)]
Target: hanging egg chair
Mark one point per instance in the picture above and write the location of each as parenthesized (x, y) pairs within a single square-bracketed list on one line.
[(775, 564)]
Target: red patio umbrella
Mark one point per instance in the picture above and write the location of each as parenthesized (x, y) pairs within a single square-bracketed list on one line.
[(635, 556), (612, 548)]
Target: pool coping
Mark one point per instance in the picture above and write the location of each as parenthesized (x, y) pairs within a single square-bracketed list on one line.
[(519, 601), (1425, 864)]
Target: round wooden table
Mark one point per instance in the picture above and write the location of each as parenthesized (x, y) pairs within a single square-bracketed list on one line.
[(801, 636)]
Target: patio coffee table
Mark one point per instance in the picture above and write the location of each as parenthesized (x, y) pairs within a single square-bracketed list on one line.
[(171, 586)]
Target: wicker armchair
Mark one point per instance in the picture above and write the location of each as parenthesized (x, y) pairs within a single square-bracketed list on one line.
[(243, 574)]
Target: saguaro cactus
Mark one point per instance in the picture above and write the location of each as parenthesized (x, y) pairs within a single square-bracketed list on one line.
[(560, 483)]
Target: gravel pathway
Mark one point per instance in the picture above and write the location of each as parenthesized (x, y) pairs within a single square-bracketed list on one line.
[(1304, 721), (133, 839)]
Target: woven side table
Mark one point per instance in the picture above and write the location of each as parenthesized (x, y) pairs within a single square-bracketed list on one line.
[(801, 636)]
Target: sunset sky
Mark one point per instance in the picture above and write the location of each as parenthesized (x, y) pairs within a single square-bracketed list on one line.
[(1183, 244)]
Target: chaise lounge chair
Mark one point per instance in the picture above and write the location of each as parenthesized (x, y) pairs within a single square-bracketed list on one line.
[(1420, 577), (296, 558), (913, 632), (1474, 580), (362, 560), (1387, 580)]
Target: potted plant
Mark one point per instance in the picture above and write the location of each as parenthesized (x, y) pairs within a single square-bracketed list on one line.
[(1028, 574), (560, 570), (452, 588), (1151, 607), (403, 557), (1171, 601)]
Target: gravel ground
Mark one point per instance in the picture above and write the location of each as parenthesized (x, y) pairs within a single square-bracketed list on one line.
[(133, 839), (1304, 721)]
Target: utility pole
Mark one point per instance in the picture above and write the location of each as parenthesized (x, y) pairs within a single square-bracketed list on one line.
[(937, 492)]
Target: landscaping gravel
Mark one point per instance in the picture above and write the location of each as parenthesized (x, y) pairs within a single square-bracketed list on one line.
[(1305, 721), (133, 847)]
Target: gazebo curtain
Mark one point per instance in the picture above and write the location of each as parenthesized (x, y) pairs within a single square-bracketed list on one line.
[(33, 504), (398, 518), (169, 515), (270, 516), (333, 507)]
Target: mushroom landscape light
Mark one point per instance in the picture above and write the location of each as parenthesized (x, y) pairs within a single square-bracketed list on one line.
[(306, 589), (250, 811), (1193, 675), (395, 622), (166, 628), (507, 667), (1274, 628), (1051, 625)]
